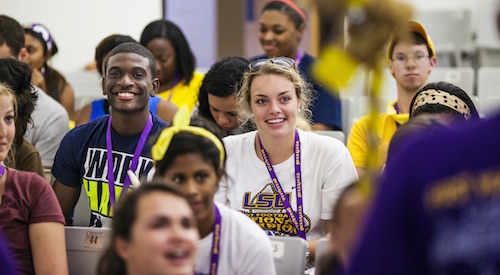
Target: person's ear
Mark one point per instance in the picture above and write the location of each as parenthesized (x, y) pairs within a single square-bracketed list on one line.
[(432, 62), (121, 247), (156, 86), (301, 30), (23, 55), (390, 67), (103, 86)]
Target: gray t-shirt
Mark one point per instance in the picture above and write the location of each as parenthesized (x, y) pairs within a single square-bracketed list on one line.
[(50, 125)]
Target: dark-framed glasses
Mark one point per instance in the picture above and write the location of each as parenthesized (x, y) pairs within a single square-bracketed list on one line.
[(285, 62)]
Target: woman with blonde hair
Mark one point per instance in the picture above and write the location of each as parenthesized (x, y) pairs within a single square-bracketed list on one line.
[(283, 176)]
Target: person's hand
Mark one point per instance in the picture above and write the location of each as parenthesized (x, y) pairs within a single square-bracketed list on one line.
[(38, 79)]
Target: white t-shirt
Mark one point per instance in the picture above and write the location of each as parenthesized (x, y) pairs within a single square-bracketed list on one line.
[(327, 167), (244, 247)]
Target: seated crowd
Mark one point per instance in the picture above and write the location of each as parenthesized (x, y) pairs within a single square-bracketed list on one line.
[(192, 172)]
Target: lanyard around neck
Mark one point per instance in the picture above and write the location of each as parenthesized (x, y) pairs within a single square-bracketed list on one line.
[(298, 222), (133, 164), (2, 170), (298, 58), (215, 251)]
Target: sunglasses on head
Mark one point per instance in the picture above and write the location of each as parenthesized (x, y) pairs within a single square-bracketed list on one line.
[(285, 62)]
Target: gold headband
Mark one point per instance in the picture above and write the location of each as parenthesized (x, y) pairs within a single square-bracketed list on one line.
[(181, 124), (433, 96)]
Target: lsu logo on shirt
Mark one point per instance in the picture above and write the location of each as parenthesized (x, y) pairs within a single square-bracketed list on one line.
[(95, 178), (267, 210)]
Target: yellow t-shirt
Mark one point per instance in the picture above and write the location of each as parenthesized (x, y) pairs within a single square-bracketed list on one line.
[(183, 94), (386, 126)]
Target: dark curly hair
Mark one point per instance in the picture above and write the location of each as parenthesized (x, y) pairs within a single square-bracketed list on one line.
[(17, 76), (222, 80)]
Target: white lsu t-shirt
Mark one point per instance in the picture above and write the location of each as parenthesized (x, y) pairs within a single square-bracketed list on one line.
[(326, 168)]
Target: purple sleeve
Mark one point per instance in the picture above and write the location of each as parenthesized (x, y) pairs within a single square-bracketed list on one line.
[(6, 257), (392, 241)]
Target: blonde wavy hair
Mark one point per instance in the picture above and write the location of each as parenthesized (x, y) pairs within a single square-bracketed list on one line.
[(10, 160), (303, 90)]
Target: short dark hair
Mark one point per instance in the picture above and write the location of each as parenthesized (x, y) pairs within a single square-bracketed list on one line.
[(441, 109), (416, 39), (17, 76), (133, 47), (106, 45), (12, 34), (186, 142), (280, 6), (185, 60), (124, 217), (222, 80)]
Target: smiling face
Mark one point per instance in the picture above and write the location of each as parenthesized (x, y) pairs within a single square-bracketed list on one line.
[(128, 83), (411, 75), (7, 125), (197, 180), (278, 35), (224, 110), (164, 53), (274, 104), (34, 46), (163, 237)]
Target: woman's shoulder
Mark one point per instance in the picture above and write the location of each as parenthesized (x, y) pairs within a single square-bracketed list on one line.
[(240, 223), (240, 139), (312, 138), (317, 144), (29, 181)]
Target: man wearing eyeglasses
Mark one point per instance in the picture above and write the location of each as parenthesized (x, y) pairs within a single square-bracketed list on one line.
[(410, 58)]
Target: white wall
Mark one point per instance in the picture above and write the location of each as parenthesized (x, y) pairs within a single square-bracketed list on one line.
[(78, 26), (198, 21)]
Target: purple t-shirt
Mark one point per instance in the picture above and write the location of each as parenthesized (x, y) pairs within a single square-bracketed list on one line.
[(27, 199), (438, 207)]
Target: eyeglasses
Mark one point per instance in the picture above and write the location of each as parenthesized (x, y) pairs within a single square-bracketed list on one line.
[(403, 59), (285, 62)]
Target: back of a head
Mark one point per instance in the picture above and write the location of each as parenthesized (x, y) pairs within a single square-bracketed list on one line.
[(136, 48), (222, 80), (11, 34), (443, 98), (423, 124), (106, 45), (17, 76), (186, 62)]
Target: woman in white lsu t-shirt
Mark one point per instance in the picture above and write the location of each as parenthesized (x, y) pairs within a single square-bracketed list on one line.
[(284, 177)]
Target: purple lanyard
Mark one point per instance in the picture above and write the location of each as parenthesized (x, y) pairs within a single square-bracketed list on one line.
[(133, 164), (2, 170), (298, 58), (214, 260), (396, 108), (299, 225)]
